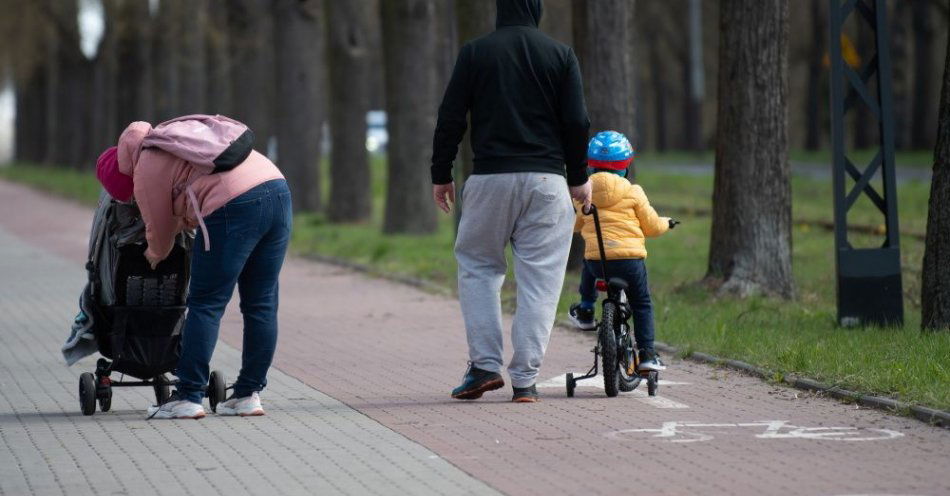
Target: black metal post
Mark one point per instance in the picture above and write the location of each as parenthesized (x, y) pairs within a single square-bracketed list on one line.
[(868, 279)]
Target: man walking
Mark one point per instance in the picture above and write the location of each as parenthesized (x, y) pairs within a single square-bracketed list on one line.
[(529, 120)]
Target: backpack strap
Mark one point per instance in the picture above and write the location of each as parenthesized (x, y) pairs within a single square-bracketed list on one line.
[(201, 220)]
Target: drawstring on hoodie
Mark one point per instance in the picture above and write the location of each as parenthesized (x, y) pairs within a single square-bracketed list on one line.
[(201, 219)]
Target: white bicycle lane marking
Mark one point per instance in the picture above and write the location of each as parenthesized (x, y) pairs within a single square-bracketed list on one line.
[(692, 432), (641, 395)]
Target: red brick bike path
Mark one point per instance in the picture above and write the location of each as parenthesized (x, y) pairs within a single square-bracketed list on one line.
[(393, 353)]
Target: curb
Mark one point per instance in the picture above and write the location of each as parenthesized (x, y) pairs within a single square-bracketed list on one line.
[(932, 416)]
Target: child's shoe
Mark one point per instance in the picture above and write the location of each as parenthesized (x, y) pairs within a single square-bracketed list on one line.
[(582, 318), (649, 361)]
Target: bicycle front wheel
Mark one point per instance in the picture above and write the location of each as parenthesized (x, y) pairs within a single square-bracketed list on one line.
[(608, 349)]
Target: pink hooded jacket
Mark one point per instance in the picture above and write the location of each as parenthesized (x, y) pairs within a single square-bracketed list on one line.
[(160, 179)]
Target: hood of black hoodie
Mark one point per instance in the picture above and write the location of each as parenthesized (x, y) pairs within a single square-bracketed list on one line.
[(519, 13)]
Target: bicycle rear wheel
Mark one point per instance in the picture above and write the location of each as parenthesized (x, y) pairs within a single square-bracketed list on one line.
[(608, 349)]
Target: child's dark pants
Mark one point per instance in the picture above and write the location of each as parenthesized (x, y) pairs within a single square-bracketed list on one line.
[(634, 272)]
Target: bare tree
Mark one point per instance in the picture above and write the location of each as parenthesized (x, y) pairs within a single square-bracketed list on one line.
[(349, 27), (935, 283), (750, 249), (609, 78), (24, 26), (70, 77), (192, 71), (813, 123), (300, 83), (922, 120), (250, 39), (557, 20), (608, 74), (410, 46), (694, 79), (218, 64), (475, 18), (900, 60), (166, 52), (133, 53), (104, 127)]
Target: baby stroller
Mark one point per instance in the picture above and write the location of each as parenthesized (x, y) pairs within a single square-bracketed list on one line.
[(136, 312)]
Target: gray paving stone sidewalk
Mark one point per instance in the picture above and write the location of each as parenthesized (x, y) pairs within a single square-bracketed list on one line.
[(308, 443)]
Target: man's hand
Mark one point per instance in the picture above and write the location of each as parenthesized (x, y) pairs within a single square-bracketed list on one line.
[(582, 194), (444, 196)]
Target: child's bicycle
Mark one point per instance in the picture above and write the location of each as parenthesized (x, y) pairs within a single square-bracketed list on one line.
[(615, 343)]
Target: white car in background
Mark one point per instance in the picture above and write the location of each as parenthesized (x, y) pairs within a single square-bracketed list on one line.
[(376, 135)]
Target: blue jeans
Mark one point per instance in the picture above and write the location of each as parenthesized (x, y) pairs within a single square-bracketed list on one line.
[(634, 271), (249, 237)]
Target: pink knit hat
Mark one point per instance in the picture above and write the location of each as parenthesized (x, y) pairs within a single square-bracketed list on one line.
[(117, 184)]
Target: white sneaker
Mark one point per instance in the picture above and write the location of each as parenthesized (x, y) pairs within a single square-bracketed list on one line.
[(176, 409), (248, 406)]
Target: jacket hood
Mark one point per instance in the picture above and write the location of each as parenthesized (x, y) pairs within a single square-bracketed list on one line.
[(608, 189), (130, 146), (519, 13)]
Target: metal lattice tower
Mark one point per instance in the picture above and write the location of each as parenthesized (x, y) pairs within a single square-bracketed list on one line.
[(868, 279)]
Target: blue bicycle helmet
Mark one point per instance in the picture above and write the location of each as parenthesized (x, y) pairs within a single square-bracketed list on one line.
[(609, 146), (609, 151)]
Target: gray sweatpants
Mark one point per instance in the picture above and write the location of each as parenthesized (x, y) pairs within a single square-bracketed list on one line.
[(534, 212)]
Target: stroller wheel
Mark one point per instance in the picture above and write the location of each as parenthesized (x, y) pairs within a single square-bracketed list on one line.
[(87, 393), (162, 391), (105, 395), (217, 389), (571, 384)]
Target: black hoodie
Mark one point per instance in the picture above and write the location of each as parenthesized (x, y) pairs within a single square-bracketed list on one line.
[(524, 92)]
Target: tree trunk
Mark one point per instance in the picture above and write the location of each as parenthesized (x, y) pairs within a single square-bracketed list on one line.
[(935, 283), (192, 71), (250, 37), (410, 47), (166, 52), (921, 123), (475, 18), (300, 81), (557, 20), (447, 36), (694, 81), (608, 74), (900, 60), (349, 25), (30, 124), (219, 88), (69, 84), (813, 124), (104, 128), (134, 93), (750, 249), (659, 97)]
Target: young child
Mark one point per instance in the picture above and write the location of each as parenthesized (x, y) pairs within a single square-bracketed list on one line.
[(626, 220)]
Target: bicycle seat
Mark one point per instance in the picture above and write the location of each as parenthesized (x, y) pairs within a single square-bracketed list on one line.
[(618, 283)]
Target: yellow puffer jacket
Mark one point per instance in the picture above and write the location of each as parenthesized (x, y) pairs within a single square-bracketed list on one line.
[(626, 219)]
